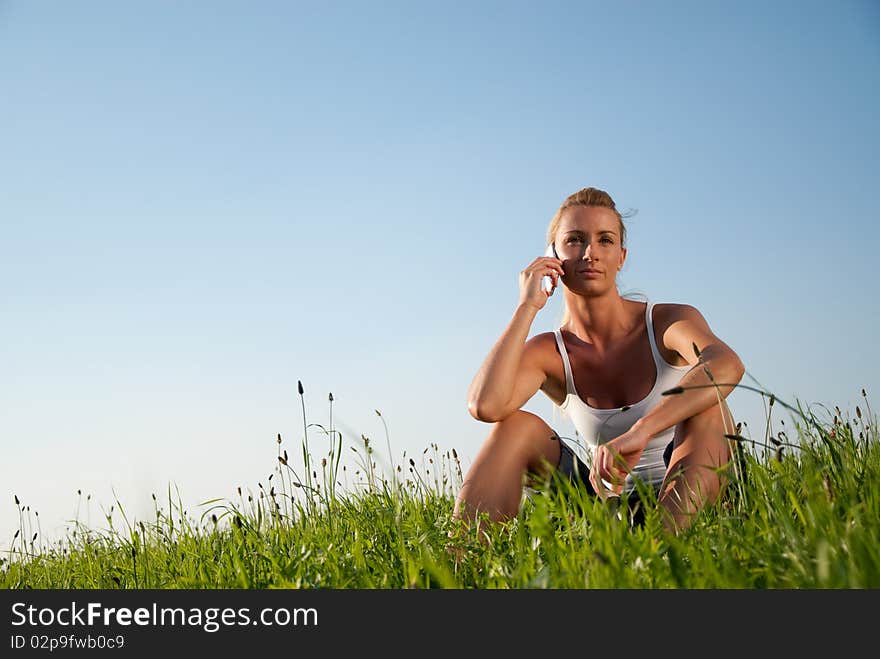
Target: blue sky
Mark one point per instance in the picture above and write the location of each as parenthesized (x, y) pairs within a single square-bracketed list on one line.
[(203, 203)]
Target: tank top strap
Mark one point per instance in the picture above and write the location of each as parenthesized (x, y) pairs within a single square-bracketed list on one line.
[(649, 312), (569, 378)]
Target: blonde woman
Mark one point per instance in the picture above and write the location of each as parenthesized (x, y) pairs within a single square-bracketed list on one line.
[(605, 368)]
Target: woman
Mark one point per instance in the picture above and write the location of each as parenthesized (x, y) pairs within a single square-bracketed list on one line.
[(605, 368)]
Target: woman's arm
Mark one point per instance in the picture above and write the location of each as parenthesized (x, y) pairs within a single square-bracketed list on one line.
[(513, 372), (502, 373), (687, 328)]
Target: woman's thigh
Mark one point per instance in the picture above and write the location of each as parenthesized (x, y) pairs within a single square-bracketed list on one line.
[(522, 441)]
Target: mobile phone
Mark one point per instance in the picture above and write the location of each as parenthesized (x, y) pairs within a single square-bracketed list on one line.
[(546, 281)]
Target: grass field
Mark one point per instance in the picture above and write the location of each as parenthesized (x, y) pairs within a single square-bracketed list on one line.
[(803, 513)]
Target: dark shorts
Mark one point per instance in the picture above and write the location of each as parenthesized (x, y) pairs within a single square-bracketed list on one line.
[(576, 471)]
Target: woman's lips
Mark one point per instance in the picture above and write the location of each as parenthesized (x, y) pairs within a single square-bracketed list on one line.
[(590, 273)]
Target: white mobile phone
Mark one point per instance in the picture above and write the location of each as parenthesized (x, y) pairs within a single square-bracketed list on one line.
[(546, 281)]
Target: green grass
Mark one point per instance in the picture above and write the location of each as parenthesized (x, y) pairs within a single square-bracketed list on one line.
[(804, 514)]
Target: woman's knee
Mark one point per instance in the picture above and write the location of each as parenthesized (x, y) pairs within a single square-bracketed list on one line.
[(704, 434), (529, 435), (701, 451)]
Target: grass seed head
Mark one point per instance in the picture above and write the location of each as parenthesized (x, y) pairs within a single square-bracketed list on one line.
[(826, 484)]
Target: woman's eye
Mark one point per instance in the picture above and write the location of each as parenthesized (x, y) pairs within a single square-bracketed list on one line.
[(607, 240)]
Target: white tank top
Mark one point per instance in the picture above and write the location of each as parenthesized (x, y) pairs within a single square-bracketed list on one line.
[(596, 426)]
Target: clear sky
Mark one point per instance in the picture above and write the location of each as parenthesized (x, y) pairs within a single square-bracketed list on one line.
[(202, 203)]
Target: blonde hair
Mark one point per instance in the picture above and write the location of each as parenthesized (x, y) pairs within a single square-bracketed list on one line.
[(586, 197)]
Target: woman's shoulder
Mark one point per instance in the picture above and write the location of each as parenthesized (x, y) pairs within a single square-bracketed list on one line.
[(543, 349), (664, 316), (669, 312), (677, 325), (543, 342)]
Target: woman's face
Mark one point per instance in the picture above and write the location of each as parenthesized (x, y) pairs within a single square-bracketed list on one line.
[(588, 243)]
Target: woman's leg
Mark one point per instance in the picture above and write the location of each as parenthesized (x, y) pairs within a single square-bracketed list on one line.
[(517, 446), (693, 479)]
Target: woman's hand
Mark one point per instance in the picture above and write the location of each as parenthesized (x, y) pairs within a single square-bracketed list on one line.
[(613, 460), (530, 290)]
